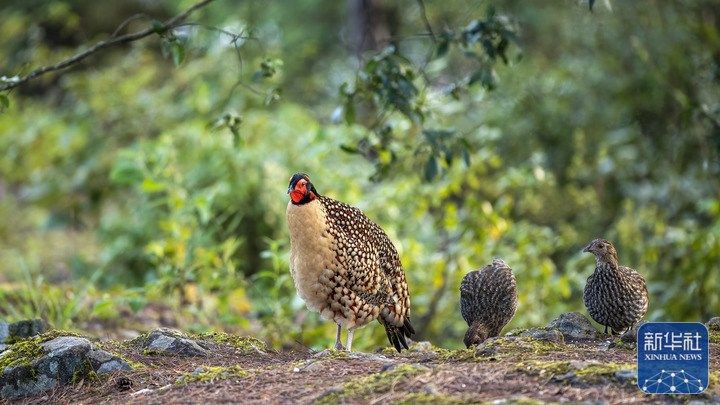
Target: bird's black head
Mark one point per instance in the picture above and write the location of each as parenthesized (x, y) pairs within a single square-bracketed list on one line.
[(301, 190), (603, 250)]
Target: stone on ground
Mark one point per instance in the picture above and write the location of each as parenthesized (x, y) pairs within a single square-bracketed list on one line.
[(547, 335), (40, 366), (10, 332), (574, 326), (165, 341)]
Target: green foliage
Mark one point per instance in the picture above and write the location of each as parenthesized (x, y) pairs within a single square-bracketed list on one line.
[(390, 82)]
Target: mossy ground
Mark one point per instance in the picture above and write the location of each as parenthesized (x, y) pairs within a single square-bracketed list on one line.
[(436, 399), (373, 383), (243, 343), (514, 346), (21, 353), (213, 373), (505, 370), (25, 351), (585, 371)]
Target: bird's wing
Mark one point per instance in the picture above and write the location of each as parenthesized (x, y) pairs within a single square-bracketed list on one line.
[(638, 279), (376, 265), (467, 296)]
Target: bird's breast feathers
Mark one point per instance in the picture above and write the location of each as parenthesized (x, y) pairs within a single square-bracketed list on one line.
[(312, 256)]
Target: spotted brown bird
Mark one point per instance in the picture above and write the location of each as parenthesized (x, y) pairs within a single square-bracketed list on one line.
[(488, 300), (615, 296), (344, 266)]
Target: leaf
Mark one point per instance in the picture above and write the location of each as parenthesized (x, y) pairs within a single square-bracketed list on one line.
[(485, 76), (431, 168), (151, 186), (158, 27), (272, 96), (126, 173), (177, 50), (349, 111), (4, 101), (442, 47), (350, 149), (466, 157)]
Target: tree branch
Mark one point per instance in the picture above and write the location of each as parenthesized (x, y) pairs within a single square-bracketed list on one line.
[(426, 21), (155, 29)]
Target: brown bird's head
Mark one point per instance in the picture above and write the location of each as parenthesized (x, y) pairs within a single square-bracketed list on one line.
[(603, 250), (301, 190), (476, 334)]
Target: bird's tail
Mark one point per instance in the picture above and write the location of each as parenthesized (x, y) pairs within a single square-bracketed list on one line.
[(397, 334)]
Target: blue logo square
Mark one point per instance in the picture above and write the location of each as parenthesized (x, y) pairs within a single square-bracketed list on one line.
[(673, 357)]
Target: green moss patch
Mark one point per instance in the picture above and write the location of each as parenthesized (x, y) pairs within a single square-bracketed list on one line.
[(209, 374), (331, 354), (622, 345), (512, 346), (456, 354), (714, 336), (25, 351), (584, 372), (376, 383), (245, 344), (21, 353), (84, 372)]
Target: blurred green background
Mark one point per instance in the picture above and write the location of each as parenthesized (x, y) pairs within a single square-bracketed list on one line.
[(146, 185)]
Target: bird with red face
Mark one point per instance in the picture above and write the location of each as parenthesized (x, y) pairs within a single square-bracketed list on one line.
[(344, 266)]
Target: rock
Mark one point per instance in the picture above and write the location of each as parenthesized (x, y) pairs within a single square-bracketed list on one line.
[(574, 326), (369, 357), (714, 324), (172, 342), (60, 361), (626, 376), (631, 335), (548, 335), (423, 346), (10, 332), (488, 348)]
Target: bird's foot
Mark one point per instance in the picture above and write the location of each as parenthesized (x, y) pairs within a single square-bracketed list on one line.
[(339, 346)]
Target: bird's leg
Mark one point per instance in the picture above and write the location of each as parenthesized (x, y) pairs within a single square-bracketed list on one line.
[(605, 330), (349, 339), (338, 345)]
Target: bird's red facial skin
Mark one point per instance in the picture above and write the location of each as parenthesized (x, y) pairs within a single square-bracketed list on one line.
[(296, 196), (300, 191)]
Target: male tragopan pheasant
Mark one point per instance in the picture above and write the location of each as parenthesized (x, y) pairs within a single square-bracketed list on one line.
[(488, 300), (615, 296), (344, 266)]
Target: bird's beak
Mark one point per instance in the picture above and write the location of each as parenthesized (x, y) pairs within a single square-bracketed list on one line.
[(290, 189), (587, 249)]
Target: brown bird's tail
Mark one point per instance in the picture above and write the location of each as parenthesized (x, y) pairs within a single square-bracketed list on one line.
[(397, 334)]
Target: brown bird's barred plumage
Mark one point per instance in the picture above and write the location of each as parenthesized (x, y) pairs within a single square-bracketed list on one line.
[(615, 296), (344, 265), (488, 300)]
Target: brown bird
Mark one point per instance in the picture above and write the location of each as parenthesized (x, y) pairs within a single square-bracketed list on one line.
[(488, 300), (344, 266), (615, 296)]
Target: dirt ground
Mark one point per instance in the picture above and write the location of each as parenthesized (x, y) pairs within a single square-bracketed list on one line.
[(503, 371)]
